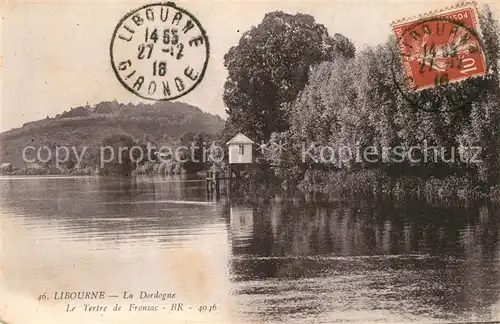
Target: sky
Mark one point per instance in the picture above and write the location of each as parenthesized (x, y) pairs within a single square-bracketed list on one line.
[(55, 55)]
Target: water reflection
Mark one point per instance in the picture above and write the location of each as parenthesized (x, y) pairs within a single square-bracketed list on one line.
[(357, 261), (114, 235), (280, 261)]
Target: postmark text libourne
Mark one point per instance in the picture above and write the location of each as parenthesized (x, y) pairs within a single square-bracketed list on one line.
[(159, 51)]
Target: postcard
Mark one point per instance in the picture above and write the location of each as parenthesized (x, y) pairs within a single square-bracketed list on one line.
[(250, 162)]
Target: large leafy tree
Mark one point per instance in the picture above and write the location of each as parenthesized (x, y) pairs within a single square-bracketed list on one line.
[(485, 112), (270, 66), (354, 103)]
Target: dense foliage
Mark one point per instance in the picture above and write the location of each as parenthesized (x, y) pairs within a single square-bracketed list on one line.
[(270, 66), (352, 103)]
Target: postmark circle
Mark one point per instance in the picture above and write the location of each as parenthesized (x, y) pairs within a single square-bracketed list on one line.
[(159, 51), (439, 76)]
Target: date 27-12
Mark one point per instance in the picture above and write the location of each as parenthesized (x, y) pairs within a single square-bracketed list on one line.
[(168, 40)]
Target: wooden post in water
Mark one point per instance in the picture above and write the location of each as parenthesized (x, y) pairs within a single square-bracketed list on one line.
[(229, 182), (209, 181), (217, 182)]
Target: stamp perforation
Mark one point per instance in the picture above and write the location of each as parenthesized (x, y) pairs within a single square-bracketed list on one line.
[(435, 50), (431, 13)]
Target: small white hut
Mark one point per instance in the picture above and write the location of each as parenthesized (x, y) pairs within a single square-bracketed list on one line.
[(240, 149)]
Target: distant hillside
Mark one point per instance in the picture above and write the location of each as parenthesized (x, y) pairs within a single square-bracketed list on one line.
[(160, 123)]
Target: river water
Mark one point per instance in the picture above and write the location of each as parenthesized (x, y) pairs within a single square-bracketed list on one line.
[(229, 261)]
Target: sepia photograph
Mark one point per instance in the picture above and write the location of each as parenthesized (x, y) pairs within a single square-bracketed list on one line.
[(257, 161)]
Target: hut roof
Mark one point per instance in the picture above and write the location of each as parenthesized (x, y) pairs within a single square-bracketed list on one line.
[(240, 139)]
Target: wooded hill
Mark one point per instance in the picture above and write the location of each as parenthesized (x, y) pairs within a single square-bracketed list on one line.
[(160, 123)]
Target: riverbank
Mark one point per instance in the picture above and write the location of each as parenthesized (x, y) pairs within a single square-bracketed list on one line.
[(148, 168), (361, 183), (34, 171), (379, 184)]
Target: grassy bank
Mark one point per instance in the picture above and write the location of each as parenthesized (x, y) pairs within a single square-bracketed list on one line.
[(148, 168), (379, 184), (49, 171), (163, 168)]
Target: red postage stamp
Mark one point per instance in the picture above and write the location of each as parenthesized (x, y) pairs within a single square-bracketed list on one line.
[(441, 48)]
